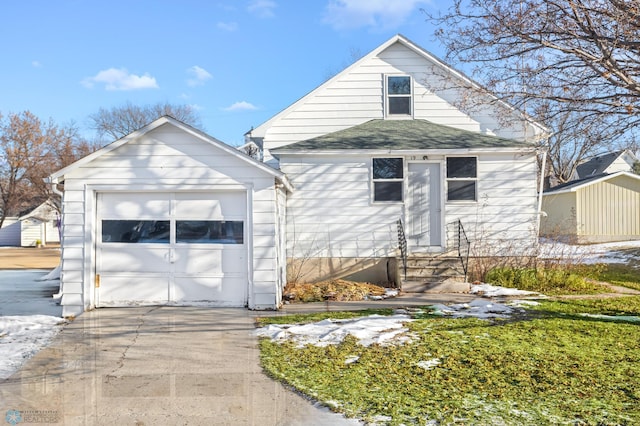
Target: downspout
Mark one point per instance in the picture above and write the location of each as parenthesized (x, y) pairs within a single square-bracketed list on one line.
[(55, 190), (541, 190)]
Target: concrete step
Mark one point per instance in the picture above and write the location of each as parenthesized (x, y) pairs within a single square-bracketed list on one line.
[(450, 285)]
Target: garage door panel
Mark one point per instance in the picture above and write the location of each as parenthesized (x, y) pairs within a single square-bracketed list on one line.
[(135, 205), (123, 289), (221, 290), (211, 206), (138, 259), (210, 260)]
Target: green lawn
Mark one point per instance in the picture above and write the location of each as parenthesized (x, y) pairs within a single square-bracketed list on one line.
[(550, 365)]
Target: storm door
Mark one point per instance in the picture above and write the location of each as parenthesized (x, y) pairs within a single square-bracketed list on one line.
[(424, 223)]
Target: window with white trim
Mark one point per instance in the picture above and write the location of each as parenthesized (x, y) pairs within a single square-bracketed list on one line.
[(399, 95), (462, 179), (388, 179)]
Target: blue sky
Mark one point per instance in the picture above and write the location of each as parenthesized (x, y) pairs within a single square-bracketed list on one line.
[(238, 62)]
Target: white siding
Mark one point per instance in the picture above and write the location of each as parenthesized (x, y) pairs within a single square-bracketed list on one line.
[(10, 232), (357, 96), (170, 160), (331, 215), (503, 221)]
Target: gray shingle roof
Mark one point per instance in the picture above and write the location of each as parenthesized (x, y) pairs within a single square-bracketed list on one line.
[(597, 165), (401, 135)]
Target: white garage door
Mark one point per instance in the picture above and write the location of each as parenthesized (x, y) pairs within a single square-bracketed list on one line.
[(157, 248)]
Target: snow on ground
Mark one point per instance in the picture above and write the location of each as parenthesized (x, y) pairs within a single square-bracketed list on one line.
[(384, 330), (368, 330), (589, 253), (488, 290), (29, 316), (21, 337)]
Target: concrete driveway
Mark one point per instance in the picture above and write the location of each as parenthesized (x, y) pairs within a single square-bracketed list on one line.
[(155, 366)]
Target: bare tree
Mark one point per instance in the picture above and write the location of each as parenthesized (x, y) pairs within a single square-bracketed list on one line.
[(572, 64), (118, 122), (30, 150)]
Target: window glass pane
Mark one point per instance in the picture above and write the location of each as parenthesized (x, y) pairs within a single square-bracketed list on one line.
[(399, 85), (461, 190), (210, 231), (462, 167), (400, 105), (135, 231), (387, 168), (387, 191)]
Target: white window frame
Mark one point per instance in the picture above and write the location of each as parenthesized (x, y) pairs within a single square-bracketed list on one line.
[(387, 96), (460, 179), (400, 180)]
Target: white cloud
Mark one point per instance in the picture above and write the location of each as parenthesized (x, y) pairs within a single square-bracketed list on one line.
[(348, 14), (120, 79), (227, 26), (262, 8), (241, 106), (36, 64), (198, 76)]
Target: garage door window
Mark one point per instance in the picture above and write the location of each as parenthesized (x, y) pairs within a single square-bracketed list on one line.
[(135, 231), (210, 231)]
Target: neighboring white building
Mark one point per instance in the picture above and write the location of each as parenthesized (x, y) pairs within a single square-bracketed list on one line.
[(611, 162), (169, 215), (387, 139), (39, 225)]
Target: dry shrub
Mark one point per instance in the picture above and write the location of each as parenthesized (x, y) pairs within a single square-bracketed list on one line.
[(339, 290)]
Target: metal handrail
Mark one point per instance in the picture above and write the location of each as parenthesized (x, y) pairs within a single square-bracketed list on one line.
[(402, 244), (463, 253)]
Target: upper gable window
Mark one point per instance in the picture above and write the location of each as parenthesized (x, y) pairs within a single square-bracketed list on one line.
[(399, 97)]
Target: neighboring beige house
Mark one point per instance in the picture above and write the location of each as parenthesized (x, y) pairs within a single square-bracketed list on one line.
[(597, 209)]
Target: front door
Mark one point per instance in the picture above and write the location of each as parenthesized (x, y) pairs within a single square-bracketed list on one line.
[(424, 225)]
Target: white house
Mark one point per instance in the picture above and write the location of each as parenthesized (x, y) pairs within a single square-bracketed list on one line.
[(170, 215), (610, 162), (394, 137)]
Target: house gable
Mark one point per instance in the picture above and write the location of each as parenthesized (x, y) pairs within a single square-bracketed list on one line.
[(357, 95), (146, 150), (612, 162)]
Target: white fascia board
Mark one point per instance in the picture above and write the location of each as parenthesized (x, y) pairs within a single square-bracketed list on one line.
[(361, 152), (591, 182), (55, 177)]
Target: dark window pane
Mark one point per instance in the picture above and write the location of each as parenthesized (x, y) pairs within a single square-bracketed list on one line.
[(387, 191), (461, 190), (399, 85), (462, 167), (387, 168), (210, 231), (135, 231), (400, 105)]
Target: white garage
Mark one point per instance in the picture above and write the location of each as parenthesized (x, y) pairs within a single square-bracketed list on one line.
[(169, 215)]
